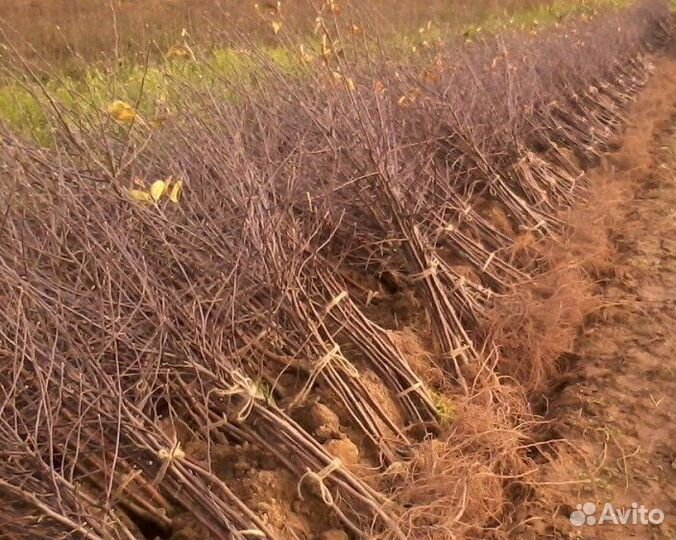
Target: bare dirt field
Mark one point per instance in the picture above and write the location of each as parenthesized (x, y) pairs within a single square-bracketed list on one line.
[(614, 410)]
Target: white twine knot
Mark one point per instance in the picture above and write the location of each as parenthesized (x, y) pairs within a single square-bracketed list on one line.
[(488, 261), (337, 300), (168, 456), (175, 453), (410, 389), (333, 355), (252, 532), (539, 225), (431, 271), (243, 386), (455, 353), (319, 478)]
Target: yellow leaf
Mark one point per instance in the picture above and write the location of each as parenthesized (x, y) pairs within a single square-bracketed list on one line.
[(304, 55), (157, 122), (122, 112), (276, 27), (333, 7), (182, 51), (176, 190), (139, 195), (157, 189), (269, 6), (379, 87), (326, 49), (409, 99), (430, 76)]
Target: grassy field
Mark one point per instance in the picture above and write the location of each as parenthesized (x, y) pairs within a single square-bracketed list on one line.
[(95, 30), (86, 55)]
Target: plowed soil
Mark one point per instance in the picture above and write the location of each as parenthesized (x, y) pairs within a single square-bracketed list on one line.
[(613, 413)]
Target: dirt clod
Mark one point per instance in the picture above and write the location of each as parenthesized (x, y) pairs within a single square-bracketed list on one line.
[(345, 450), (319, 420), (333, 534)]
